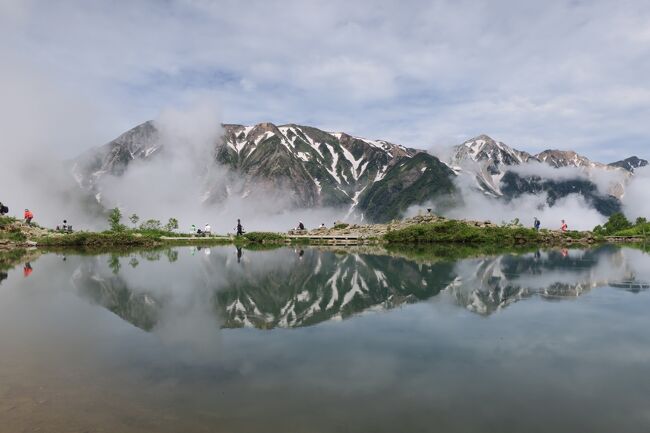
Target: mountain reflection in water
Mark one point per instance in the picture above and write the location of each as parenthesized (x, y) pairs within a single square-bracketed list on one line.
[(290, 288), (422, 339)]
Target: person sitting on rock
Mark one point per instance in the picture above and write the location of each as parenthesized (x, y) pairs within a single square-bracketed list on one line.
[(207, 230), (29, 216), (301, 226), (322, 226), (3, 209), (564, 226)]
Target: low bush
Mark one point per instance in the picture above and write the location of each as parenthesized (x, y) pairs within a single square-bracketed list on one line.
[(95, 239), (6, 220), (461, 232), (14, 235), (264, 237)]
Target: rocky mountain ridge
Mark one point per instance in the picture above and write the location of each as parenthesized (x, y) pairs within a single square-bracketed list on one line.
[(314, 168), (374, 179)]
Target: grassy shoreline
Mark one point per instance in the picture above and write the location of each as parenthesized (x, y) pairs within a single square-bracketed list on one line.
[(15, 234)]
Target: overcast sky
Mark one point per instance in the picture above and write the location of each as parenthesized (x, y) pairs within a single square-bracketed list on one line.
[(534, 74)]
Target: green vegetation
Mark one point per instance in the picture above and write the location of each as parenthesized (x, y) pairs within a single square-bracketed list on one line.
[(264, 237), (9, 258), (13, 234), (151, 224), (416, 180), (91, 239), (171, 225), (114, 218), (341, 226), (461, 232), (6, 220), (619, 225)]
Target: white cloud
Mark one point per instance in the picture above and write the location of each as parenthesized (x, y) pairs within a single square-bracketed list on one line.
[(558, 74)]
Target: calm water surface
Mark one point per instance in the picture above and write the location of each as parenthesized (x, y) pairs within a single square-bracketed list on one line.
[(312, 340)]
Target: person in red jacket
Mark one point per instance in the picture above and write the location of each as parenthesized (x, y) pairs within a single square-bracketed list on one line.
[(28, 216), (564, 226)]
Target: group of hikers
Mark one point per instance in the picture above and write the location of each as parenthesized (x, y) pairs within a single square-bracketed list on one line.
[(537, 224), (207, 230), (28, 216), (239, 229)]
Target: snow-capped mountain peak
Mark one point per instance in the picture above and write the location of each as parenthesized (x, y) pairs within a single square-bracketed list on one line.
[(630, 164), (566, 158), (318, 168)]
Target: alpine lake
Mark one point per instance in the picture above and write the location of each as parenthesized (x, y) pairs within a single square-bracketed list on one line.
[(324, 339)]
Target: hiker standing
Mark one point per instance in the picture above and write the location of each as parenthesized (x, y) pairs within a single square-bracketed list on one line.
[(3, 209), (239, 228), (564, 226), (28, 216), (537, 224)]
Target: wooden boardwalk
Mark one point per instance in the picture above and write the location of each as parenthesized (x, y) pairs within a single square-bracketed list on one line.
[(196, 238), (332, 239)]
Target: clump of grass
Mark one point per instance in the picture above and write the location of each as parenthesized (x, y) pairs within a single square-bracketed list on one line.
[(90, 239), (460, 232), (264, 237), (13, 234), (341, 226), (6, 220), (9, 258)]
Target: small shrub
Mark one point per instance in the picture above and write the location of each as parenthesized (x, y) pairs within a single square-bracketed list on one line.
[(341, 226), (114, 218), (264, 237), (461, 232), (171, 225), (151, 224)]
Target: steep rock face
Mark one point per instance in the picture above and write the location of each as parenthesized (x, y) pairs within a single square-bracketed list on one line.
[(493, 166), (313, 168), (513, 185), (630, 164), (141, 142), (562, 158), (488, 160), (412, 181)]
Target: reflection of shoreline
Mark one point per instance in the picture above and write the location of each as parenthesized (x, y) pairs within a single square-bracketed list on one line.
[(494, 283), (10, 259), (285, 289)]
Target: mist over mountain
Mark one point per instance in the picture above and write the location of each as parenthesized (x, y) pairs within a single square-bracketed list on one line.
[(301, 166), (282, 167)]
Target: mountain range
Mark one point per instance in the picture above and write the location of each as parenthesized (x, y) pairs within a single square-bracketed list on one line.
[(375, 179)]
